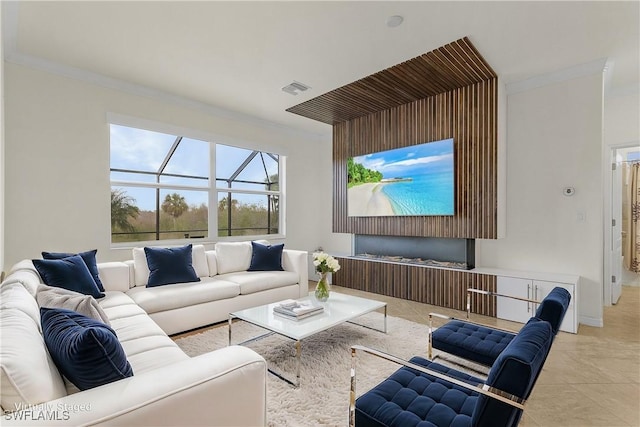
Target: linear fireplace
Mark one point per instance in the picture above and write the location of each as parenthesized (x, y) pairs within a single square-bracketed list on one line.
[(428, 251)]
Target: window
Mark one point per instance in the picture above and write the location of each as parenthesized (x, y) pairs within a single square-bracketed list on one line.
[(161, 188)]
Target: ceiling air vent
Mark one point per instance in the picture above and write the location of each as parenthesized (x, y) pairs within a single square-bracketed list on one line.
[(295, 87)]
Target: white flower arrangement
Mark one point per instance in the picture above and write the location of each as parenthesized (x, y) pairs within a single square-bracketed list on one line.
[(325, 263)]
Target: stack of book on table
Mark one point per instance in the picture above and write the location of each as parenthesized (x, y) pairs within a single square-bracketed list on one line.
[(296, 310)]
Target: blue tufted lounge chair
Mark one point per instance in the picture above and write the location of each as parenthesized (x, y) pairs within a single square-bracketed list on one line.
[(482, 344), (426, 394)]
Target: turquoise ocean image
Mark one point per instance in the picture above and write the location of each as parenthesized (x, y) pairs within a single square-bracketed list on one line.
[(414, 180), (426, 194)]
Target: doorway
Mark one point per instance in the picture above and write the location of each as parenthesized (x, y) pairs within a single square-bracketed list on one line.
[(622, 268)]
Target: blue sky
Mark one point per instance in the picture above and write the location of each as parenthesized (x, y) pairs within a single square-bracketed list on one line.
[(412, 160), (143, 150)]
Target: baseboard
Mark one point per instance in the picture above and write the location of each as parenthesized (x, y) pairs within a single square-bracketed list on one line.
[(591, 321)]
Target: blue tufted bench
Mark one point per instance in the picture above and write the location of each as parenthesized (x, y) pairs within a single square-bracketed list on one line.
[(426, 394), (482, 344)]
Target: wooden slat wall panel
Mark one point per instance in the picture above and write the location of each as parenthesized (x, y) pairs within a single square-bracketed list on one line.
[(441, 287), (469, 115), (442, 70)]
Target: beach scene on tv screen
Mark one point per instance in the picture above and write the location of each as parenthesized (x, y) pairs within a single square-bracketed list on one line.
[(414, 180)]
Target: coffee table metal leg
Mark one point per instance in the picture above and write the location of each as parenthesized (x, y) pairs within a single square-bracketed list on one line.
[(298, 356), (295, 383), (384, 329), (385, 319), (230, 322)]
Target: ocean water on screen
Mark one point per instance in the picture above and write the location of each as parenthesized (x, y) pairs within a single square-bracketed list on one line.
[(426, 194)]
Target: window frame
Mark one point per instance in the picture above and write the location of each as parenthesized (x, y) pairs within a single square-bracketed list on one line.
[(212, 189)]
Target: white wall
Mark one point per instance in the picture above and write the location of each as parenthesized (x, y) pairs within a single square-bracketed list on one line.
[(622, 119), (554, 139), (57, 162)]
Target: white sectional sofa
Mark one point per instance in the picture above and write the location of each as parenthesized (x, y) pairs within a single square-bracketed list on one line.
[(224, 387)]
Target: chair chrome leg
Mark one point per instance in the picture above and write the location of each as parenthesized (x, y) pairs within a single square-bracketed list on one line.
[(352, 393), (429, 342)]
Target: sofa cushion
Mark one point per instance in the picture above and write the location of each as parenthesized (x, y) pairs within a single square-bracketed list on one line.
[(52, 297), (115, 299), (266, 257), (86, 351), (89, 258), (410, 398), (28, 375), (469, 341), (27, 277), (25, 272), (256, 281), (14, 295), (146, 345), (69, 273), (169, 297), (115, 276), (233, 256), (170, 265)]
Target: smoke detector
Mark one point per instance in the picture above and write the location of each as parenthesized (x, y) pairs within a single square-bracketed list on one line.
[(394, 21), (294, 87)]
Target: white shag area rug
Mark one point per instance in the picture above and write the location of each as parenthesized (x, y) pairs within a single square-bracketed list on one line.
[(323, 396)]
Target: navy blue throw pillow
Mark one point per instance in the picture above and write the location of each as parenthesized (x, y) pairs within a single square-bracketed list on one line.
[(266, 257), (69, 273), (170, 265), (85, 350), (89, 258)]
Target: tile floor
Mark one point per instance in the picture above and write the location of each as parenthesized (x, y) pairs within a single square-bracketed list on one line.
[(589, 379)]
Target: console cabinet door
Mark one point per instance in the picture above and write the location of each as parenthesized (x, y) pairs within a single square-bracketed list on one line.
[(542, 288), (511, 309)]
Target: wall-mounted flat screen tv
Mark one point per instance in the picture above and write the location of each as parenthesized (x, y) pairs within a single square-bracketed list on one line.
[(407, 181)]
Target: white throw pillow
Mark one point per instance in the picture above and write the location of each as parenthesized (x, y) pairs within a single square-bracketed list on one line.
[(27, 373), (233, 256), (199, 261), (212, 262), (140, 267)]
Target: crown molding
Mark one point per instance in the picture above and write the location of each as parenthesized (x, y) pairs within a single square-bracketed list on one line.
[(148, 92), (582, 70)]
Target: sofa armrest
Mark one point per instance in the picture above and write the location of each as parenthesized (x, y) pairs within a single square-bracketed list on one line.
[(297, 261), (224, 387)]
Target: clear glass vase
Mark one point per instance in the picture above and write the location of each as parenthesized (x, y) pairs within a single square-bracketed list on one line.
[(323, 288)]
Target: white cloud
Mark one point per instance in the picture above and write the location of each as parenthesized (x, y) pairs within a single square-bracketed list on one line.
[(418, 161)]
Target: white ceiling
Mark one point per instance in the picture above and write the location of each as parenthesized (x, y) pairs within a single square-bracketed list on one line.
[(237, 55)]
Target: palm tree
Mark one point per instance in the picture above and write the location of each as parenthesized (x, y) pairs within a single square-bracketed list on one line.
[(174, 205), (122, 207)]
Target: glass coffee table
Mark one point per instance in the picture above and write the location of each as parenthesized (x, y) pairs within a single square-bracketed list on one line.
[(338, 309)]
